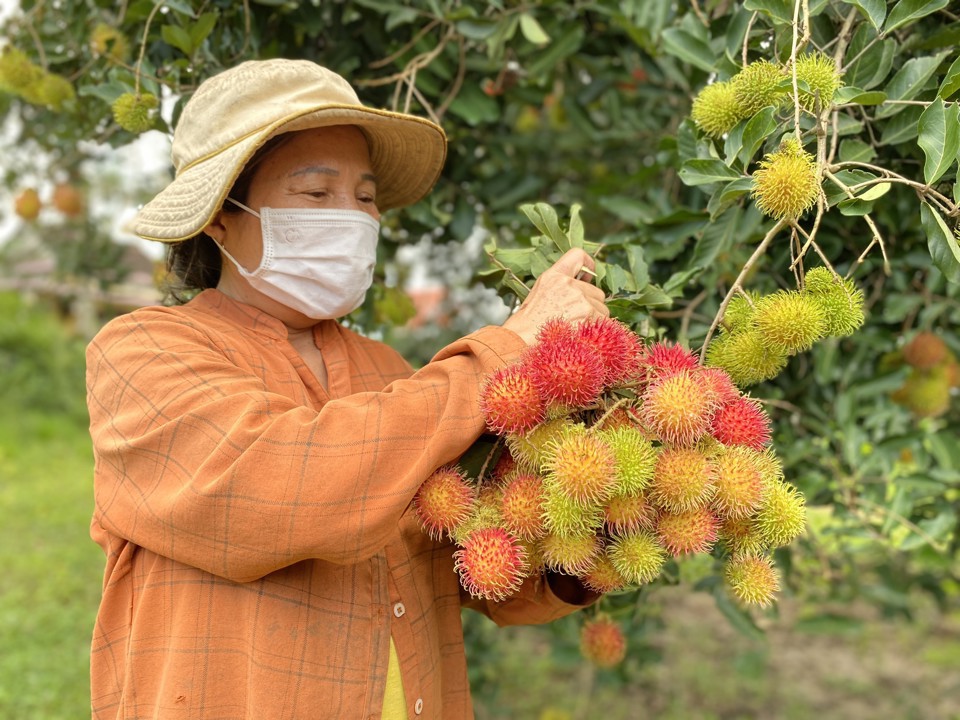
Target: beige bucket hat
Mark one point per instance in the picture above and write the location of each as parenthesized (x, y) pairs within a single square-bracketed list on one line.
[(234, 112)]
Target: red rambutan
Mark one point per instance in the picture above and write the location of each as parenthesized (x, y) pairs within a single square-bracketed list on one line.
[(580, 465), (556, 329), (602, 642), (491, 562), (617, 345), (682, 480), (506, 464), (741, 421), (688, 532), (443, 501), (719, 384), (568, 373), (629, 513), (738, 482), (678, 408), (664, 358), (510, 401)]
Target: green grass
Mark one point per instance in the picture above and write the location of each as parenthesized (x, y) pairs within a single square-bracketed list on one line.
[(52, 570)]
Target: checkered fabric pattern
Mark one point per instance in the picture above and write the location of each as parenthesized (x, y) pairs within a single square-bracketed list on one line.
[(260, 548)]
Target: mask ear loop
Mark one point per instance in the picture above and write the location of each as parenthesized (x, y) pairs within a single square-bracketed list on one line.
[(244, 207), (243, 271)]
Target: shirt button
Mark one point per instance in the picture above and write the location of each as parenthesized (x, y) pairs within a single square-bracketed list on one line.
[(418, 706), (399, 609)]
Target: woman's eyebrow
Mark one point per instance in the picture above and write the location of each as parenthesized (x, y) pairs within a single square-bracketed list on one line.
[(324, 170)]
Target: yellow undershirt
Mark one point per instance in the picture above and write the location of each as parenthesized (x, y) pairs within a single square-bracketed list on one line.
[(394, 703)]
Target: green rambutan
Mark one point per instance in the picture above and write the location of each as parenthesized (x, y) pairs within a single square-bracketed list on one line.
[(581, 465), (739, 313), (617, 345), (629, 513), (786, 184), (571, 554), (603, 576), (491, 563), (52, 91), (638, 557), (563, 515), (677, 408), (134, 112), (821, 76), (925, 393), (18, 72), (528, 450), (925, 350), (110, 42), (683, 480), (789, 321), (634, 455), (738, 482), (752, 578), (687, 532), (602, 642), (745, 357), (443, 501), (484, 514), (741, 421), (840, 299), (510, 401), (759, 84), (521, 505), (716, 109), (782, 515)]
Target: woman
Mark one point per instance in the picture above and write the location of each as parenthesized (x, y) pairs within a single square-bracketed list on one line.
[(255, 460)]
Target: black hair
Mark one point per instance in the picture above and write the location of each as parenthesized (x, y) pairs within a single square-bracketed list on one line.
[(194, 264)]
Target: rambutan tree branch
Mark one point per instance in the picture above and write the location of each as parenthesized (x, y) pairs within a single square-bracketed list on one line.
[(143, 47), (737, 287), (875, 231), (943, 202)]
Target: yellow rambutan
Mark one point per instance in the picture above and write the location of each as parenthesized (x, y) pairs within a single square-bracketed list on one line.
[(683, 480), (687, 532), (782, 515), (443, 501), (787, 182), (629, 513), (571, 554), (789, 321), (528, 449), (752, 578), (819, 72), (603, 577), (638, 556), (581, 465), (759, 84), (716, 109), (677, 408), (521, 505), (739, 485)]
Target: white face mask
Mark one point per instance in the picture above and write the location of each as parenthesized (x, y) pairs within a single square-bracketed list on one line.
[(318, 262)]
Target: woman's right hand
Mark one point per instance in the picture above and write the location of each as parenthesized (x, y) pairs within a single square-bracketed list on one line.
[(559, 293)]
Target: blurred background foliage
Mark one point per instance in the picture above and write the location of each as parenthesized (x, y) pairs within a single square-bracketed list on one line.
[(575, 104)]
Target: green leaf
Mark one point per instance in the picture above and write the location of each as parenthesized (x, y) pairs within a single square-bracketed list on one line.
[(476, 28), (706, 171), (756, 131), (779, 10), (858, 96), (688, 48), (717, 237), (874, 10), (951, 81), (575, 229), (942, 243), (474, 106), (853, 150), (908, 11), (909, 81), (849, 178), (179, 5), (638, 266), (532, 30), (728, 195), (869, 61), (202, 28), (875, 192), (556, 52), (616, 279), (939, 130), (902, 127), (739, 618), (177, 37)]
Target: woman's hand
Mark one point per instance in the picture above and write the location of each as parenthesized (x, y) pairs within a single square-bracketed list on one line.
[(559, 293)]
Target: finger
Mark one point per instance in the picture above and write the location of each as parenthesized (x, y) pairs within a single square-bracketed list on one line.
[(573, 261)]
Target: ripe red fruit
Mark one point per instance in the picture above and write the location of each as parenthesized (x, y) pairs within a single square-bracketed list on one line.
[(491, 563), (521, 504), (663, 358), (602, 642), (617, 345), (925, 350), (566, 372), (741, 422), (555, 330), (510, 401), (682, 480), (443, 501), (719, 384)]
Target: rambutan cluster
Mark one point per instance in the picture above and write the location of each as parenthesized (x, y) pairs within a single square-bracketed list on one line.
[(615, 458), (761, 332)]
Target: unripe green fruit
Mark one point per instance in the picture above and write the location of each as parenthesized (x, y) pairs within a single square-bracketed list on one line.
[(745, 357), (839, 299), (758, 85), (638, 557), (820, 74), (564, 515), (134, 113), (782, 517), (789, 322), (17, 71), (925, 393), (110, 42), (528, 449), (786, 184), (739, 312), (635, 458), (716, 110), (53, 91), (571, 554), (752, 578)]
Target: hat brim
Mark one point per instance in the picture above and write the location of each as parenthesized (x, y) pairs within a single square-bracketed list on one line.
[(407, 154)]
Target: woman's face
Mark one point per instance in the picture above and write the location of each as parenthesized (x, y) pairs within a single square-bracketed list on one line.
[(319, 168)]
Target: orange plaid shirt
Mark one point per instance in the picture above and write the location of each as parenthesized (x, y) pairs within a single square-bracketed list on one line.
[(260, 547)]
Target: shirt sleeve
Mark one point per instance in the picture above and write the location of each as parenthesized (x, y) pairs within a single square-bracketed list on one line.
[(535, 603), (197, 460)]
